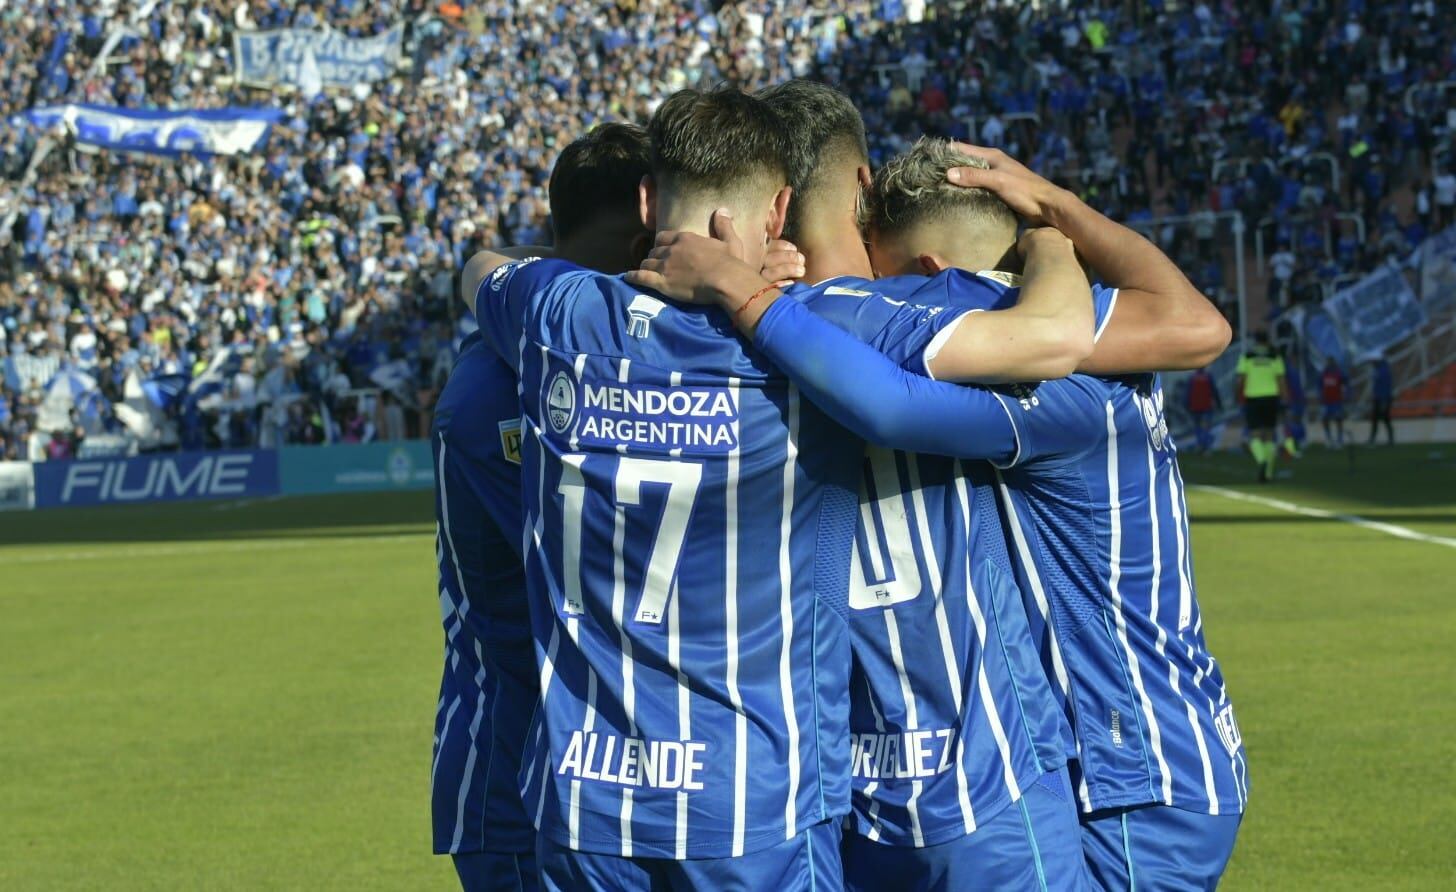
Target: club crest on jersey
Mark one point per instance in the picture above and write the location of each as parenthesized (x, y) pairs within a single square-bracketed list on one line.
[(561, 402), (640, 314)]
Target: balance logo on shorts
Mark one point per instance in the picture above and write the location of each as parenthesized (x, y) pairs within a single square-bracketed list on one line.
[(561, 402)]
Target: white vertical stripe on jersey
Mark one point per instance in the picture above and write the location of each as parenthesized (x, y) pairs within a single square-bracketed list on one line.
[(993, 716), (538, 527), (869, 790), (953, 671), (730, 597), (1160, 645), (1185, 577), (1114, 578), (548, 667), (463, 608), (786, 611), (684, 716), (1185, 601), (912, 721), (619, 599), (444, 729), (1043, 606), (684, 701), (675, 379)]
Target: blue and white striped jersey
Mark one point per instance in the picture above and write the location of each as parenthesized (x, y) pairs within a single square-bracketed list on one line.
[(689, 524), (488, 689), (1099, 531), (952, 716)]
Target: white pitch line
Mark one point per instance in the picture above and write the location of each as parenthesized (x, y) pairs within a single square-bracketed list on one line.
[(1389, 529), (122, 551)]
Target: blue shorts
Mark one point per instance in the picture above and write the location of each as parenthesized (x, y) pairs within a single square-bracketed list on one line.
[(1031, 844), (1334, 411), (807, 863), (496, 872), (1157, 847)]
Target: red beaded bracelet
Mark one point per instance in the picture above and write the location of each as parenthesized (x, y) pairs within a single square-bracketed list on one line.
[(756, 295)]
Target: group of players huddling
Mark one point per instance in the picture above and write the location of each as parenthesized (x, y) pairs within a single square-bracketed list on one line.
[(858, 560)]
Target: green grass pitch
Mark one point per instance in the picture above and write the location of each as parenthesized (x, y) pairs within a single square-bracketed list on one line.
[(241, 695)]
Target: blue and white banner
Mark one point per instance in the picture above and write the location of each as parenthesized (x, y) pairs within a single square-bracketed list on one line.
[(1438, 270), (220, 131), (302, 58), (160, 477), (1377, 312)]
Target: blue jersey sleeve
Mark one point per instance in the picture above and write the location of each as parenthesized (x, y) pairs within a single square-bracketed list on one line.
[(899, 329), (1059, 419), (872, 395), (1104, 299), (505, 298)]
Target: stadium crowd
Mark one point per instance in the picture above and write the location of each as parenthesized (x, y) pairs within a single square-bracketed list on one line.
[(308, 285)]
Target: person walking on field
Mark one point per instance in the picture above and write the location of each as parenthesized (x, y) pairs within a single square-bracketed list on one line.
[(1261, 391)]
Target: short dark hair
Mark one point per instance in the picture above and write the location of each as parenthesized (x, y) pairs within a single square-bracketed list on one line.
[(597, 175), (912, 188), (820, 123), (718, 140)]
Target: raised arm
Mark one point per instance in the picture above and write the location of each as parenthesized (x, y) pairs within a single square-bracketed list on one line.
[(1162, 322), (1046, 335)]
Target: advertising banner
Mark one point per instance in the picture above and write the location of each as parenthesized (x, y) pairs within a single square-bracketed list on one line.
[(1438, 270), (356, 467), (161, 477), (218, 131), (299, 57)]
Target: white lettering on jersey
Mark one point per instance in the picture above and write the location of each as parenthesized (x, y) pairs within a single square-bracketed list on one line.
[(916, 754), (633, 762), (640, 314), (1228, 729)]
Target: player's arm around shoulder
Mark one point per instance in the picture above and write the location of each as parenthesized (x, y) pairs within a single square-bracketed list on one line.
[(484, 263), (1046, 335)]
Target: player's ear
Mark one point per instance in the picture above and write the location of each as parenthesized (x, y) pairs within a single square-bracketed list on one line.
[(863, 173), (647, 202), (779, 212), (638, 248), (930, 264)]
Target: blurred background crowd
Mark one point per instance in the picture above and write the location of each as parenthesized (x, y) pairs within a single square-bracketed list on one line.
[(302, 293)]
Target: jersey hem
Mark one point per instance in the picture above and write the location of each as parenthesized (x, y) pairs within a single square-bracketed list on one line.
[(1225, 807), (667, 848)]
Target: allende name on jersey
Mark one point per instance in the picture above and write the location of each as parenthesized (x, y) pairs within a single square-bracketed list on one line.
[(633, 762)]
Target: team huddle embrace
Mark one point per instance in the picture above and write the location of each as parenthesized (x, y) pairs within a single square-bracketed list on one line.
[(806, 529)]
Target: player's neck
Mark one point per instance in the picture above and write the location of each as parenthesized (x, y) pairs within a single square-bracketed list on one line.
[(828, 255)]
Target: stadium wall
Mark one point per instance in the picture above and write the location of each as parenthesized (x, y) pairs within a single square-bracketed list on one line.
[(228, 474)]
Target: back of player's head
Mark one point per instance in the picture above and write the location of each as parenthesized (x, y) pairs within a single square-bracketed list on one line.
[(596, 177), (821, 128), (912, 191), (720, 144)]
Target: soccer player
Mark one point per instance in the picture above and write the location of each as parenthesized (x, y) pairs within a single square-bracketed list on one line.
[(489, 685), (1259, 382), (1294, 431), (1333, 384), (689, 527), (911, 818)]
